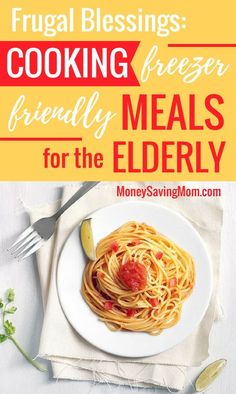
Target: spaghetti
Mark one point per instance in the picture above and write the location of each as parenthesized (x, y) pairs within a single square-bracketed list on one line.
[(139, 280)]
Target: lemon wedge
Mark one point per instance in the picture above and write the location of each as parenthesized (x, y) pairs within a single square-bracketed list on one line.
[(86, 237), (209, 374)]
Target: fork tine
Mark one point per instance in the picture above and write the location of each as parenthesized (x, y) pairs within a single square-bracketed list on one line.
[(20, 244), (34, 241), (21, 237), (32, 250)]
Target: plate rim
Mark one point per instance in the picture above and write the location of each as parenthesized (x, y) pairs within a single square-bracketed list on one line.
[(131, 202)]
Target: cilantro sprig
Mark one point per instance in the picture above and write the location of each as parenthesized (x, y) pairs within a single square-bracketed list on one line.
[(8, 328)]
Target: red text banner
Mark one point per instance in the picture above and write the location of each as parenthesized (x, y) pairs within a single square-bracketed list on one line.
[(67, 63)]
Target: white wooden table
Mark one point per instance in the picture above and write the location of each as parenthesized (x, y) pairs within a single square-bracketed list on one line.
[(16, 376)]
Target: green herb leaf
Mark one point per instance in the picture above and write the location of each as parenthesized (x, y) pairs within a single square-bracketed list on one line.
[(11, 310), (9, 328), (3, 338), (10, 295)]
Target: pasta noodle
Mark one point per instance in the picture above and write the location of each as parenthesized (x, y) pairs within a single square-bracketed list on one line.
[(139, 280)]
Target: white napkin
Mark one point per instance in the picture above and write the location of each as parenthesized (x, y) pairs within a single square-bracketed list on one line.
[(74, 358)]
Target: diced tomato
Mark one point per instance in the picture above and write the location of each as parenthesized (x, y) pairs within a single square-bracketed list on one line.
[(153, 301), (159, 255), (114, 246), (136, 242), (130, 312), (108, 305), (133, 275), (100, 274), (95, 282), (173, 282), (174, 293)]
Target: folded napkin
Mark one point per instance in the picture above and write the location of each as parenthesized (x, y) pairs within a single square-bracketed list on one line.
[(74, 358)]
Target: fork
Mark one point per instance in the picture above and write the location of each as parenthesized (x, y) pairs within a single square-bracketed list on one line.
[(39, 232)]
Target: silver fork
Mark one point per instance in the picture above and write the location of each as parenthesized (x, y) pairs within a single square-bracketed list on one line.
[(36, 235)]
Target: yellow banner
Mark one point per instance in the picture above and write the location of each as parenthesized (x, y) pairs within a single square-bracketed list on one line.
[(178, 124)]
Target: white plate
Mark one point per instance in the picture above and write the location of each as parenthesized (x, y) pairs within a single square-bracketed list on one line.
[(87, 324)]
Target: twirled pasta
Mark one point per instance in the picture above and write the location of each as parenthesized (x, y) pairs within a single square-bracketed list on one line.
[(157, 303)]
